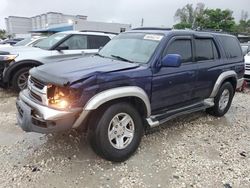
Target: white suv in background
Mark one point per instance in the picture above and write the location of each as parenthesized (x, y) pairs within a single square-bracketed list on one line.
[(16, 62), (247, 71)]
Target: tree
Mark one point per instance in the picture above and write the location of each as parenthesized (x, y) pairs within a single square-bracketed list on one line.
[(2, 34), (217, 19), (244, 24), (187, 15)]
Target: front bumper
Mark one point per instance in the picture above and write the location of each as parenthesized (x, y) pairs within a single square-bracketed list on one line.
[(34, 117)]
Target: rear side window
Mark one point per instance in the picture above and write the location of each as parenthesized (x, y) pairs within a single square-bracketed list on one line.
[(205, 50), (231, 46), (182, 47), (95, 42)]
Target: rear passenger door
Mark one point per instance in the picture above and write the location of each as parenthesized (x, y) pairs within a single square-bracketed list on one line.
[(172, 87), (208, 60)]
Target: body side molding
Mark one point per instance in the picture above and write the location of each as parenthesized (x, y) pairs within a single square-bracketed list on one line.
[(223, 76)]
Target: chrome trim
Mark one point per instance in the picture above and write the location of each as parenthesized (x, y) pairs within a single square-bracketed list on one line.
[(40, 92), (111, 94), (240, 82), (220, 80), (48, 114), (152, 123)]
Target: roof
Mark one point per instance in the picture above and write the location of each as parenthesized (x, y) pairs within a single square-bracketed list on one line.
[(89, 33)]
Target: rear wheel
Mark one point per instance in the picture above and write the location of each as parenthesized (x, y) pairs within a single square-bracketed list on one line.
[(117, 133), (222, 101), (20, 79)]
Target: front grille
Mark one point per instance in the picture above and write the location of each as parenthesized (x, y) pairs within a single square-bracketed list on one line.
[(37, 83), (35, 96), (20, 111)]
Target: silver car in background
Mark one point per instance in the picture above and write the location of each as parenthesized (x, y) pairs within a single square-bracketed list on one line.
[(16, 62)]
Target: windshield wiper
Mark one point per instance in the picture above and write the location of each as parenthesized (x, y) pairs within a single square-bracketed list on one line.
[(122, 58), (100, 55)]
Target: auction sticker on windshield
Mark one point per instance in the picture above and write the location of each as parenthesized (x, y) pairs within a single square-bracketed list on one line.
[(153, 37)]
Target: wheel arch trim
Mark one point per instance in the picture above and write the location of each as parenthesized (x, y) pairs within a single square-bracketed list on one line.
[(116, 93), (223, 76)]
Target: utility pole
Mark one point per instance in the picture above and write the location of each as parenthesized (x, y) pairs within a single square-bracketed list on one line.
[(142, 22)]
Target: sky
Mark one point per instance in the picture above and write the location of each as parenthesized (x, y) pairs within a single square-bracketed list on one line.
[(154, 12)]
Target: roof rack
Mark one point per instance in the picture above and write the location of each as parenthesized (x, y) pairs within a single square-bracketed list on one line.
[(99, 32), (153, 28)]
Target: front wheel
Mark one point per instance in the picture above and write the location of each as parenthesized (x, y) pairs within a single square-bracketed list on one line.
[(117, 133), (20, 79), (222, 101)]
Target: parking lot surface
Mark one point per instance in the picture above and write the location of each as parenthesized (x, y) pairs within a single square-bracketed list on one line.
[(196, 150)]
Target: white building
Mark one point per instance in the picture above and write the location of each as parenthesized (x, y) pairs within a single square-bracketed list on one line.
[(54, 22), (18, 25)]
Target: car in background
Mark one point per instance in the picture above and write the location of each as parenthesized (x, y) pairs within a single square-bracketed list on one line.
[(247, 69), (10, 42), (15, 63), (30, 41)]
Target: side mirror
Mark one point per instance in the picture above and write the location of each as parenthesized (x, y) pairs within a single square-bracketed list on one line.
[(171, 60), (61, 48)]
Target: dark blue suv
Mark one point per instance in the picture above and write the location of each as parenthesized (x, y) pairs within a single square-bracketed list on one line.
[(141, 78)]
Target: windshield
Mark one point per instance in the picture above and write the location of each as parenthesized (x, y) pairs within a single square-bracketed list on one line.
[(133, 47), (24, 42), (49, 42)]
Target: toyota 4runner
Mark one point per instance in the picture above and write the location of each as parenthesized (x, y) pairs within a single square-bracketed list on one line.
[(141, 78)]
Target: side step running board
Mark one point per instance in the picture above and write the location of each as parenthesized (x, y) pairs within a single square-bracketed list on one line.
[(159, 119)]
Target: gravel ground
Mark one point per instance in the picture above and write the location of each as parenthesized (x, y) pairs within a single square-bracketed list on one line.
[(197, 150)]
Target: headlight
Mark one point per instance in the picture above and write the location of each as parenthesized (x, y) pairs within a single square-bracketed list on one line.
[(8, 57), (62, 97)]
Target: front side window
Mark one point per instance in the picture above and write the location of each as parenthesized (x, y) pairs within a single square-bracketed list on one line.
[(205, 50), (76, 42), (134, 47), (182, 47)]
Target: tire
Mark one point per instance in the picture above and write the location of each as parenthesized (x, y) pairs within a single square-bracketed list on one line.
[(112, 139), (18, 77), (220, 109)]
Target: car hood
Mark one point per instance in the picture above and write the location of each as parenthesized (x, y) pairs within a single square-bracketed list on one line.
[(70, 71), (20, 49)]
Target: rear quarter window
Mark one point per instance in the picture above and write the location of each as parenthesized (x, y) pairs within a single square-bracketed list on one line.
[(95, 41), (231, 46)]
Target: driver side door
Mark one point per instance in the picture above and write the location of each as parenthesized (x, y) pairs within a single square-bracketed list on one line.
[(173, 87)]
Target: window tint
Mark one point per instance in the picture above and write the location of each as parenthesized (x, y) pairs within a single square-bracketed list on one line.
[(76, 42), (231, 46), (95, 42), (181, 47), (205, 49)]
